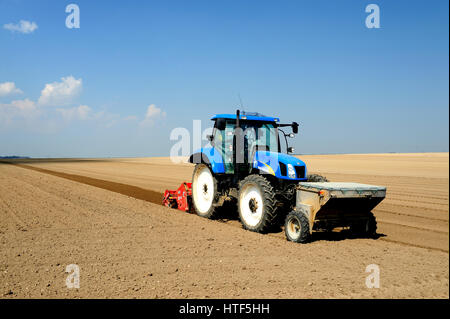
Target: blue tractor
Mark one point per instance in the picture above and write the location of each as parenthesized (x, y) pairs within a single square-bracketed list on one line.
[(244, 165)]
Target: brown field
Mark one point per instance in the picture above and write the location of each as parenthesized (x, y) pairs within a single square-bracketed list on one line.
[(101, 215)]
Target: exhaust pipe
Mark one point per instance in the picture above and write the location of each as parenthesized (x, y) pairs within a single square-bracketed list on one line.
[(236, 145)]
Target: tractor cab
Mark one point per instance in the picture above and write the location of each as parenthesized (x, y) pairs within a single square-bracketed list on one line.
[(244, 142), (237, 141)]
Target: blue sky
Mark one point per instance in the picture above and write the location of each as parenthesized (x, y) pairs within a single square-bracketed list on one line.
[(135, 70)]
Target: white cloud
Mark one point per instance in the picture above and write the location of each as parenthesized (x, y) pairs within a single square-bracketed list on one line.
[(60, 93), (26, 106), (23, 26), (17, 110), (153, 113), (76, 113), (19, 107), (7, 88), (33, 115)]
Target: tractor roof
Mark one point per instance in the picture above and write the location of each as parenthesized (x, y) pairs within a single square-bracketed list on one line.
[(249, 116)]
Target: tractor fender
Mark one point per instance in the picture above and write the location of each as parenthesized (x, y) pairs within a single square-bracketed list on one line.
[(210, 156)]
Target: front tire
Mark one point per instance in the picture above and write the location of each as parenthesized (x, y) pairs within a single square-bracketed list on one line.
[(204, 191), (296, 227), (256, 204)]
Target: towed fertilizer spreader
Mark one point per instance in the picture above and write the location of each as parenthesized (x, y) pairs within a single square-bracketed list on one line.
[(327, 205)]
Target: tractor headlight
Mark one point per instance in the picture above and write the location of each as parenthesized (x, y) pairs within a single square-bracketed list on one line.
[(291, 171)]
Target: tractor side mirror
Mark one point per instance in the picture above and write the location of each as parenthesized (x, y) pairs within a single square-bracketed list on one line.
[(220, 124), (290, 149), (295, 127)]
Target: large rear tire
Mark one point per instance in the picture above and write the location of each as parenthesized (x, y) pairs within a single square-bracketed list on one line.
[(296, 227), (256, 203), (204, 191)]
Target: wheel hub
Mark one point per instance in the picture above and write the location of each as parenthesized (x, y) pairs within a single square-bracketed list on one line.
[(253, 205), (294, 226)]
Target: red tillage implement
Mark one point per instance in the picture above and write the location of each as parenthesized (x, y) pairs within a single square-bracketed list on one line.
[(180, 198)]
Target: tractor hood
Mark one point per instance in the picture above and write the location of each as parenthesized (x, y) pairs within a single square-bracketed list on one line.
[(279, 165)]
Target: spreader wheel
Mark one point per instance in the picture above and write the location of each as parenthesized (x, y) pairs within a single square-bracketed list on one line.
[(296, 227), (365, 228)]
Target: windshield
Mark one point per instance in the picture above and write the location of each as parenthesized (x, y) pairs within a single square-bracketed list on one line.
[(260, 135), (257, 136)]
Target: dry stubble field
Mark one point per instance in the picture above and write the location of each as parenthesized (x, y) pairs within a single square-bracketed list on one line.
[(100, 214)]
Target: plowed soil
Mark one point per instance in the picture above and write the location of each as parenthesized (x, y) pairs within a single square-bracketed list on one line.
[(106, 217)]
